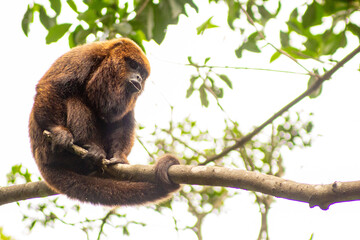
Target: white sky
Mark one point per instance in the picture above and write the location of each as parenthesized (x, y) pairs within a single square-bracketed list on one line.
[(256, 96)]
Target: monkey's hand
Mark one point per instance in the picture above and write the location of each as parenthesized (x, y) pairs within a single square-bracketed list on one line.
[(95, 154), (61, 138), (161, 170)]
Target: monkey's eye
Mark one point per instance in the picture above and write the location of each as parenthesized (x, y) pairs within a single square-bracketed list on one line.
[(133, 64)]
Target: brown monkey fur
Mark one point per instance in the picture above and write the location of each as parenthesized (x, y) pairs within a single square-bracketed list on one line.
[(87, 97)]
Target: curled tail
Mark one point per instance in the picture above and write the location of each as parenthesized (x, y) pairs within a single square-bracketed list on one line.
[(107, 191)]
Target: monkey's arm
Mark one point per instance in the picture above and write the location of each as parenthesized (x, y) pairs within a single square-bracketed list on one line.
[(82, 124), (121, 136)]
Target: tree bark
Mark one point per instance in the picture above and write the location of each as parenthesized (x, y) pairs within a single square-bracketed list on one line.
[(322, 195)]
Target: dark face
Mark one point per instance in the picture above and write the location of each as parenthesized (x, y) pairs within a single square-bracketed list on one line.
[(136, 76), (120, 78)]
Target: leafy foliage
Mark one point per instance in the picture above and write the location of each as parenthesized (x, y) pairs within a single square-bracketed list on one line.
[(329, 39), (139, 20), (18, 172), (3, 236), (206, 25), (52, 212), (208, 81)]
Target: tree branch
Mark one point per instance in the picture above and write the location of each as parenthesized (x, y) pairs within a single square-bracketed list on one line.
[(314, 194), (322, 195), (24, 191)]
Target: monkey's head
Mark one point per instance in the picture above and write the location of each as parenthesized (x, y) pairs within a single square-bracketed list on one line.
[(119, 79)]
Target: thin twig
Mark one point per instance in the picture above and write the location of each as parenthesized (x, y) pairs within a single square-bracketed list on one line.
[(246, 68), (104, 221), (277, 49), (141, 8), (312, 88)]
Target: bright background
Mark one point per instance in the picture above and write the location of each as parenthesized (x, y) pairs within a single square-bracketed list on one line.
[(256, 96)]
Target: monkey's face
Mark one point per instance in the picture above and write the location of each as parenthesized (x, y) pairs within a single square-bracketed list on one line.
[(135, 77), (118, 81)]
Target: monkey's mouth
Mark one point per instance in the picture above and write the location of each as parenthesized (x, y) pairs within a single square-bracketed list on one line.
[(134, 86)]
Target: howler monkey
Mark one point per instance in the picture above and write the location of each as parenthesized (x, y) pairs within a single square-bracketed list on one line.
[(87, 97)]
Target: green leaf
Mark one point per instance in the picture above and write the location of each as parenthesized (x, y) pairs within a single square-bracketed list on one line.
[(317, 92), (295, 25), (108, 19), (78, 36), (56, 6), (226, 79), (153, 21), (313, 15), (27, 19), (138, 37), (294, 52), (45, 20), (190, 60), (294, 14), (312, 236), (123, 28), (254, 36), (313, 45), (191, 89), (206, 25), (32, 225), (309, 17), (89, 16), (219, 92), (284, 39), (164, 13), (333, 42), (206, 60), (234, 13), (203, 96), (265, 14), (145, 21), (354, 29), (57, 32), (249, 7), (238, 51), (251, 46), (72, 4), (126, 231), (191, 4), (193, 79), (278, 9), (309, 127), (275, 56)]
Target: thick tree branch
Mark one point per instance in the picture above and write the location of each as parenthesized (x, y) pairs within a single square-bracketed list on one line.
[(322, 195), (24, 191), (316, 195)]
